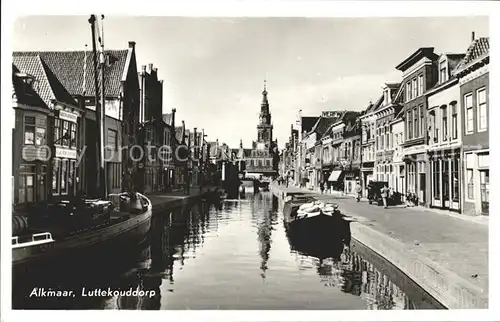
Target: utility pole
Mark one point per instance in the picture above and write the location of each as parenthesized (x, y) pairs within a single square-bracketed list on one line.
[(103, 111), (99, 148)]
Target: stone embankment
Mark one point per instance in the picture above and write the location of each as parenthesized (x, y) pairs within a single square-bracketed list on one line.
[(444, 254)]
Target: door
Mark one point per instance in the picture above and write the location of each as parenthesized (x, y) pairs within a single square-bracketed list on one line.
[(484, 185), (445, 184), (422, 188)]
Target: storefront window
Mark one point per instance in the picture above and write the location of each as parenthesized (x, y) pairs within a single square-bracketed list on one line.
[(455, 183), (26, 184), (437, 177), (470, 184), (64, 177), (446, 180), (485, 185), (55, 176)]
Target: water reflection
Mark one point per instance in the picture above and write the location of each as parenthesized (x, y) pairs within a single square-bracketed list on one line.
[(206, 257)]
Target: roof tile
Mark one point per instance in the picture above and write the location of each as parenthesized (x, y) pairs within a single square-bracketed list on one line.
[(68, 67)]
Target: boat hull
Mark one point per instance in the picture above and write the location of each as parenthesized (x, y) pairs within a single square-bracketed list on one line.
[(321, 227), (93, 244)]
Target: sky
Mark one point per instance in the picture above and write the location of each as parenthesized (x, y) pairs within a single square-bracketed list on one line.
[(214, 68)]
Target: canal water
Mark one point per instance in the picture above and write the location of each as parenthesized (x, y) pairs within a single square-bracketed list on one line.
[(229, 255)]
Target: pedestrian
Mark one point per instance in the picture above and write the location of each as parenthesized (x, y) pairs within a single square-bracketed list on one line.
[(326, 187), (358, 191), (383, 193)]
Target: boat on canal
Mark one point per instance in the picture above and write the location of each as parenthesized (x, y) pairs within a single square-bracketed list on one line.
[(307, 218), (77, 228), (80, 229)]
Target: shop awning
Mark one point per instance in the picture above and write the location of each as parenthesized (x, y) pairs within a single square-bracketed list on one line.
[(334, 176)]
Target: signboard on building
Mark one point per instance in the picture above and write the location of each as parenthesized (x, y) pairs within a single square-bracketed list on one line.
[(71, 117), (329, 113), (65, 153)]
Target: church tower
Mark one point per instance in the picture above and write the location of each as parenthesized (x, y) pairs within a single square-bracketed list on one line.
[(265, 127)]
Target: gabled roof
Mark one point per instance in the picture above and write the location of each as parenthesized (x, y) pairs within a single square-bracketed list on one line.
[(68, 67), (25, 94), (322, 125), (167, 118), (47, 85), (478, 49), (178, 133), (372, 107), (308, 122)]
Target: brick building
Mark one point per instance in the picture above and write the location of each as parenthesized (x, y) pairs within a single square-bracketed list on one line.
[(384, 140), (445, 139), (419, 75), (45, 141), (473, 77), (74, 71)]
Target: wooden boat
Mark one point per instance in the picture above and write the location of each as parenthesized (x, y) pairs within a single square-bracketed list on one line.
[(320, 223), (122, 229)]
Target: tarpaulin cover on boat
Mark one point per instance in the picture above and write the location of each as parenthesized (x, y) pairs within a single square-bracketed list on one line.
[(334, 176)]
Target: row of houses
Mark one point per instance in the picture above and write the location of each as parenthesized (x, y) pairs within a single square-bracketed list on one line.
[(54, 149), (426, 135)]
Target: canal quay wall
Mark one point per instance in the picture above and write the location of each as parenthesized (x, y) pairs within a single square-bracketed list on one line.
[(439, 277), (162, 202)]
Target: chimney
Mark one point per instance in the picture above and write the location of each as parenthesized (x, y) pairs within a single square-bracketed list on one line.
[(172, 121), (473, 36), (155, 70), (150, 68), (183, 139), (131, 44)]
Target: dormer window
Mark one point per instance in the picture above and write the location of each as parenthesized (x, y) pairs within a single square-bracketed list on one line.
[(28, 81), (443, 71), (387, 97)]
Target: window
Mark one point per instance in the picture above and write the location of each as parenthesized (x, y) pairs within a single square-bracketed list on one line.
[(29, 130), (469, 114), (64, 177), (423, 130), (150, 135), (33, 134), (57, 131), (26, 184), (55, 176), (437, 177), (420, 84), (434, 128), (470, 184), (454, 121), (482, 110), (414, 87), (72, 134), (444, 113), (71, 174), (411, 177), (415, 124), (443, 75), (114, 175), (65, 133), (408, 91), (455, 186), (112, 139), (386, 138), (410, 125)]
